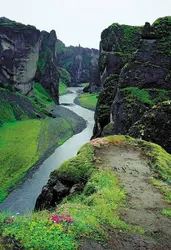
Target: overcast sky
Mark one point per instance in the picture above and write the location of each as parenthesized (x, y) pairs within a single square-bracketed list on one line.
[(81, 22)]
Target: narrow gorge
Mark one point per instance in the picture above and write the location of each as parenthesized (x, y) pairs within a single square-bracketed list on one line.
[(85, 139)]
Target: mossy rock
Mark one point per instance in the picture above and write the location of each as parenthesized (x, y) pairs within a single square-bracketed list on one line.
[(77, 169), (106, 96), (145, 75), (121, 38), (155, 126)]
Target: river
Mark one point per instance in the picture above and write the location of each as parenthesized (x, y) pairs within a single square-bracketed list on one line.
[(22, 200)]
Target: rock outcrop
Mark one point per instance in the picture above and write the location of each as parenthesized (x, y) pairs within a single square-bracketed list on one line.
[(135, 70), (118, 42), (47, 68), (19, 52), (155, 126), (81, 63)]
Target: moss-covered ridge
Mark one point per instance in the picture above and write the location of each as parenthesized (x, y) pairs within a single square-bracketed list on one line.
[(95, 210)]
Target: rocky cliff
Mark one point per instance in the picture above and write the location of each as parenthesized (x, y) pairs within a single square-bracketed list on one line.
[(135, 70), (47, 67), (80, 62), (19, 52)]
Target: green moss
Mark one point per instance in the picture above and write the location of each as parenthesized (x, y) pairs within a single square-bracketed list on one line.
[(78, 168), (127, 38), (41, 64), (88, 100), (6, 112), (141, 94), (17, 25), (62, 88), (147, 96), (162, 19), (65, 76), (42, 96), (84, 84)]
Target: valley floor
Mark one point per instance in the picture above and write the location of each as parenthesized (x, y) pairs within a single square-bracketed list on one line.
[(24, 143)]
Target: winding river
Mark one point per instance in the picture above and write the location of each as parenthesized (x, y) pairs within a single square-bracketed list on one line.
[(22, 200)]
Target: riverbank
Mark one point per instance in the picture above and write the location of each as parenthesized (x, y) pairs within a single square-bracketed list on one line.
[(26, 144), (87, 100), (23, 198)]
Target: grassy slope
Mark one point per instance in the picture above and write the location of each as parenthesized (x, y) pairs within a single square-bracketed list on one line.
[(88, 100), (18, 150), (42, 96), (62, 88), (95, 211), (23, 143), (84, 84)]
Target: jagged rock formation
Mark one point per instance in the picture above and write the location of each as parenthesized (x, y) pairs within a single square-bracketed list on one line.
[(47, 71), (135, 72), (80, 62), (118, 42), (19, 52)]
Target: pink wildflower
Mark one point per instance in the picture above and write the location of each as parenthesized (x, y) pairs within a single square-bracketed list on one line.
[(61, 218)]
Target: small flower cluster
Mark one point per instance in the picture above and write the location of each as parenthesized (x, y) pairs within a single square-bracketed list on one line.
[(62, 218), (98, 142), (11, 219)]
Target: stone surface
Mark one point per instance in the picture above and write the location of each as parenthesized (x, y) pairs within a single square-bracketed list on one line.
[(47, 71), (80, 62), (19, 51), (155, 126), (140, 58)]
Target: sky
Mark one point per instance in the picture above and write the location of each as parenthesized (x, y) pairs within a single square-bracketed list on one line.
[(81, 22)]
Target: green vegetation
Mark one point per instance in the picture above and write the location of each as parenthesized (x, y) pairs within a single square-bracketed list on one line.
[(23, 143), (88, 100), (42, 96), (65, 79), (62, 88), (89, 214), (166, 212), (166, 19), (147, 96), (6, 112), (41, 64), (17, 25), (92, 213), (18, 150), (78, 168), (128, 38), (84, 84), (65, 76)]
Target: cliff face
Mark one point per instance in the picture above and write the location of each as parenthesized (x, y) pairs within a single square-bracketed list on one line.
[(118, 42), (80, 62), (135, 70), (47, 70), (19, 52)]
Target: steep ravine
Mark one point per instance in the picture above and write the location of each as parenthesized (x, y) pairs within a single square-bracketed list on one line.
[(23, 198)]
